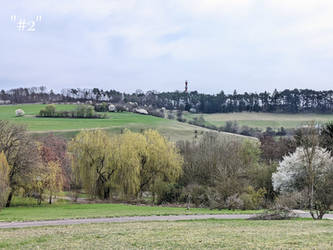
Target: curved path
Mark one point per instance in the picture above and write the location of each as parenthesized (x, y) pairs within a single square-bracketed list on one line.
[(136, 219)]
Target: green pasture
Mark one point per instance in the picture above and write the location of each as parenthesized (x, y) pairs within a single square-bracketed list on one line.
[(114, 123), (262, 120)]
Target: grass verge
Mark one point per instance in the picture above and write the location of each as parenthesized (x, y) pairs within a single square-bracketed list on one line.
[(79, 211), (206, 234)]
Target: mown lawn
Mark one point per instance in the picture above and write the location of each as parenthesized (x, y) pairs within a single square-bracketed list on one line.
[(75, 211), (263, 120), (206, 234)]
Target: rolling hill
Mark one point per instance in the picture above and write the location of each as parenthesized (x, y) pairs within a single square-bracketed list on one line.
[(115, 122), (262, 120)]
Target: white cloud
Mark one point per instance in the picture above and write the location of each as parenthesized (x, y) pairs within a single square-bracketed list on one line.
[(216, 7), (82, 41)]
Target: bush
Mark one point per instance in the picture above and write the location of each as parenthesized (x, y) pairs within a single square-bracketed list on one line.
[(168, 193), (171, 116), (156, 113), (82, 111), (102, 107), (198, 121), (276, 213), (195, 194), (120, 108), (231, 127), (48, 111), (19, 112), (112, 108), (234, 202), (180, 116), (181, 119), (294, 200), (253, 199), (51, 109)]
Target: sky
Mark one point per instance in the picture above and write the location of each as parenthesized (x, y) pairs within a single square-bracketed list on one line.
[(247, 45)]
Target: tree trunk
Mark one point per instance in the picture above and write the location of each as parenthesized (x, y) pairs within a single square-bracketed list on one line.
[(106, 193), (50, 198), (322, 213), (319, 214), (153, 194), (9, 200)]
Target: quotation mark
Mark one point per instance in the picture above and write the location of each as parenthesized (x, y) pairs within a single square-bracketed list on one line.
[(23, 25)]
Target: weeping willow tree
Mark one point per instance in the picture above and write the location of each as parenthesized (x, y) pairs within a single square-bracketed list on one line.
[(160, 163), (129, 163), (128, 149), (92, 162)]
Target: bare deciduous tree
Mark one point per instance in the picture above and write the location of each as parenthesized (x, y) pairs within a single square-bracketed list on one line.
[(21, 153)]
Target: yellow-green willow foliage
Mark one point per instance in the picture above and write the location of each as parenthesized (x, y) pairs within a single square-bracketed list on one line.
[(4, 179), (128, 150), (162, 162), (92, 162), (129, 163)]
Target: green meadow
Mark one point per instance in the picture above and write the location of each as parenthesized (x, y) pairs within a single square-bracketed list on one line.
[(114, 123), (262, 120), (67, 210)]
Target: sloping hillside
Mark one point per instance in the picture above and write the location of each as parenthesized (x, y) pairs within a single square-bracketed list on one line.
[(114, 123)]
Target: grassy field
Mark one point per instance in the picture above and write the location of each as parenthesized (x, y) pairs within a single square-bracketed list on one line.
[(115, 122), (76, 211), (263, 120), (206, 234)]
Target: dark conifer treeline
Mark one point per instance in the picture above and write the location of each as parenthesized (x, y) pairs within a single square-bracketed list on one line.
[(286, 101)]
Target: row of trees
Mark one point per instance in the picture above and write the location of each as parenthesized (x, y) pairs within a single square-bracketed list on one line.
[(81, 111), (233, 127), (106, 167), (225, 174), (34, 167), (286, 101), (210, 171), (290, 172)]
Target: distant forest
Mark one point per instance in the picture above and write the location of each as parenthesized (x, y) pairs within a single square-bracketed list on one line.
[(286, 101)]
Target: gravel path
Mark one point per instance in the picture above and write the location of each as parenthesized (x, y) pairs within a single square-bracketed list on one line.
[(135, 219), (121, 219)]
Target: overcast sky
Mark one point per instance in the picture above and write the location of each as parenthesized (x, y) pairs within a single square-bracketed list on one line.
[(126, 45)]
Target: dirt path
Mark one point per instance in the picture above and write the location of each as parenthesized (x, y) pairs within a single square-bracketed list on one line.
[(121, 219), (134, 219)]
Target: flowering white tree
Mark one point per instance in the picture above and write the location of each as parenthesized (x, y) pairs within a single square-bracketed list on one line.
[(299, 171), (19, 112)]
